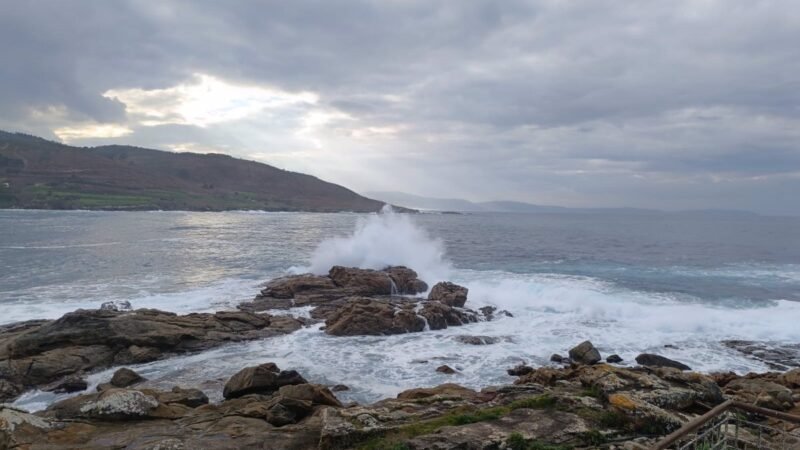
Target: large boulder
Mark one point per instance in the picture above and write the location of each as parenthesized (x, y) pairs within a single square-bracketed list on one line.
[(125, 377), (585, 353), (288, 287), (449, 293), (651, 360), (361, 281), (314, 393), (440, 315), (264, 379), (405, 280), (111, 404), (366, 316)]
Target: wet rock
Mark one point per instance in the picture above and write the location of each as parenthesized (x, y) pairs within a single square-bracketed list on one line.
[(723, 378), (316, 394), (68, 385), (365, 316), (761, 392), (125, 377), (585, 353), (405, 280), (43, 352), (614, 359), (361, 281), (265, 379), (340, 388), (651, 360), (556, 358), (449, 293), (777, 356), (191, 398), (288, 287), (445, 369), (477, 340), (520, 370), (440, 316), (117, 306)]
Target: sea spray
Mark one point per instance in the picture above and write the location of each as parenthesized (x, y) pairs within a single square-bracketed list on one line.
[(379, 240)]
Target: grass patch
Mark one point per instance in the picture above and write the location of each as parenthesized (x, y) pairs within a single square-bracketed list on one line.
[(516, 441), (457, 418), (592, 391)]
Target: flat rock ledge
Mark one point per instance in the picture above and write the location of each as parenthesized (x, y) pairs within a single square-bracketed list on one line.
[(40, 353), (583, 406)]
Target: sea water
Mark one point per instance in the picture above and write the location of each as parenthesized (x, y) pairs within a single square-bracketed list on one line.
[(630, 282)]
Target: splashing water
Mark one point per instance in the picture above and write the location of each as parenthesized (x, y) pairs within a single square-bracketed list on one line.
[(380, 240)]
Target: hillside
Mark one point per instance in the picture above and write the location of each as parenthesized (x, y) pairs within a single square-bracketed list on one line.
[(37, 173)]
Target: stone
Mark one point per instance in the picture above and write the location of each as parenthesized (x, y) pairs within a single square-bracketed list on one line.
[(265, 378), (614, 359), (405, 280), (116, 306), (316, 394), (449, 293), (761, 392), (585, 353), (365, 316), (790, 379), (340, 388), (68, 385), (445, 369), (651, 360), (361, 281), (440, 316), (556, 358), (125, 377), (187, 397), (111, 404), (477, 340), (288, 287), (520, 370)]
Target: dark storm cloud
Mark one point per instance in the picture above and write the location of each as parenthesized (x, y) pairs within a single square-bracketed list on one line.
[(661, 104)]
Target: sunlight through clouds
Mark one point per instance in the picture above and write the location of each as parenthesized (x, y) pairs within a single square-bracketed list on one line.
[(204, 101)]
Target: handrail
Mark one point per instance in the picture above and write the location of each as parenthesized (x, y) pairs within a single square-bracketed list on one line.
[(698, 422), (693, 425)]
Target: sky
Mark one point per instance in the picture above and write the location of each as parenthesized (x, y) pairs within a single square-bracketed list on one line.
[(597, 103)]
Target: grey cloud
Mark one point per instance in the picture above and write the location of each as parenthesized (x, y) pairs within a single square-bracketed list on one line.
[(593, 103)]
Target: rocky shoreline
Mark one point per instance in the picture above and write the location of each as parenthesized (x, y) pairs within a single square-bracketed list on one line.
[(578, 402)]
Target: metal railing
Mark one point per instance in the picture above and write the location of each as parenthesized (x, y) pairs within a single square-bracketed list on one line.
[(736, 425)]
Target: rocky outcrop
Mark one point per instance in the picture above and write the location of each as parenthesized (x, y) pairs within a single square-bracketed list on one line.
[(327, 291), (449, 293), (42, 352), (585, 353), (263, 379), (289, 418), (651, 360), (361, 316), (581, 406)]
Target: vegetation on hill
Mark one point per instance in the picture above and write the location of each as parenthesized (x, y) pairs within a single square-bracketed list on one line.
[(37, 173)]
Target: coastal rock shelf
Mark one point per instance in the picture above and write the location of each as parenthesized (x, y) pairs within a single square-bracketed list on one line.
[(579, 406), (37, 353)]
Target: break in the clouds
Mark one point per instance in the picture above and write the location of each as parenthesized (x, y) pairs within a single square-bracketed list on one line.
[(675, 105)]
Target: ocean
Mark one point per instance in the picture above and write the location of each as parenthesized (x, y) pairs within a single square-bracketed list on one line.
[(630, 282)]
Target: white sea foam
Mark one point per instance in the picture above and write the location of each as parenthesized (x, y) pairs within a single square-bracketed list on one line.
[(381, 240), (225, 294)]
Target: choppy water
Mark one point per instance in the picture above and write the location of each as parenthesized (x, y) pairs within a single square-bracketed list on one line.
[(630, 283)]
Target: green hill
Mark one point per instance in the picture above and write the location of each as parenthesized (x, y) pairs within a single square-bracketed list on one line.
[(37, 173)]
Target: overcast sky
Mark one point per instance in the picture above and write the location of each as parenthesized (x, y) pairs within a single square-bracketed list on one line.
[(665, 104)]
